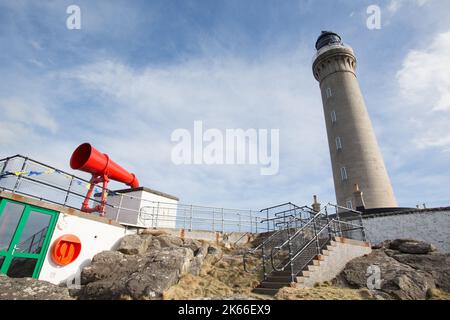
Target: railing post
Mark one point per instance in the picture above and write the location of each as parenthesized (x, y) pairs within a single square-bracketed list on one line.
[(316, 236), (256, 224), (251, 225), (4, 167), (239, 222), (68, 191), (362, 228), (157, 214), (223, 222), (263, 254), (330, 229), (16, 185), (120, 207), (268, 222), (190, 219), (213, 222), (291, 262)]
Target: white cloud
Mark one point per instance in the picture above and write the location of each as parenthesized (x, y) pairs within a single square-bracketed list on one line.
[(424, 82), (276, 93), (135, 111), (396, 5), (19, 116)]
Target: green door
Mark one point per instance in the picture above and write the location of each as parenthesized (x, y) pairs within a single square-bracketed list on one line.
[(25, 233)]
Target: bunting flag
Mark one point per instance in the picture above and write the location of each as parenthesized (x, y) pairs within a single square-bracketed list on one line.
[(32, 173)]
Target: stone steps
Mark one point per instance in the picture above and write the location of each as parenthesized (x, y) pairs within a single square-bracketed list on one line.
[(324, 267)]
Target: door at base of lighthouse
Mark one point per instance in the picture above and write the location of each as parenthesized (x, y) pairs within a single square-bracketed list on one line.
[(25, 233)]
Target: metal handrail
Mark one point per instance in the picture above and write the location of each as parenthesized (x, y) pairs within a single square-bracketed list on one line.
[(293, 256), (260, 246), (230, 218), (301, 229), (280, 205), (291, 219), (300, 251)]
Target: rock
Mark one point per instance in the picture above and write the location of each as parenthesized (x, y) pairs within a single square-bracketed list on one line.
[(135, 276), (31, 289), (153, 232), (436, 264), (214, 254), (398, 280), (192, 244), (169, 241), (411, 246), (196, 265), (154, 245), (104, 264), (381, 245), (133, 244)]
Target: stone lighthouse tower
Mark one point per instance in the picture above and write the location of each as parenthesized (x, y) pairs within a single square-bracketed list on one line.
[(355, 156)]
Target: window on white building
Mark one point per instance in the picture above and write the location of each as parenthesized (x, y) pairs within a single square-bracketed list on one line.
[(338, 144), (344, 174)]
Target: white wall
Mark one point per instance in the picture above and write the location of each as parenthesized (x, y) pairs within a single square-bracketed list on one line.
[(159, 211), (125, 216), (431, 226), (340, 253), (95, 237), (164, 213)]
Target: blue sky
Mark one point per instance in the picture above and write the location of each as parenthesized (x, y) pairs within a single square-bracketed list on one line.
[(138, 70)]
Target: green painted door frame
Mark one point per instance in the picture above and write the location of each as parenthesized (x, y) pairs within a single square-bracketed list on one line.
[(12, 253)]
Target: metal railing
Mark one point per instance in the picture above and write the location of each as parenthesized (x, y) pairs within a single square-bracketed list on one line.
[(25, 176), (294, 247), (285, 222), (297, 252)]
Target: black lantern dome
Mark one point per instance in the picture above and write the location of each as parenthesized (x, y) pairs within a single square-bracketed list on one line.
[(327, 38)]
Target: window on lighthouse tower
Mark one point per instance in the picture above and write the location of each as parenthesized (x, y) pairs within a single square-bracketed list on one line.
[(333, 117), (344, 174), (329, 93), (338, 144)]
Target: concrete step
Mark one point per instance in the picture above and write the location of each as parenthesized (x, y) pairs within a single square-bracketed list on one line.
[(300, 279), (313, 268), (321, 257), (306, 274), (316, 262), (278, 278), (325, 252), (274, 285), (265, 291), (285, 273)]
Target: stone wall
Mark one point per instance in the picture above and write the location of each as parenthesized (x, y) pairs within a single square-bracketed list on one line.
[(431, 225)]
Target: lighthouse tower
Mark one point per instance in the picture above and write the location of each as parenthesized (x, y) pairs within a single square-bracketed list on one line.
[(355, 156)]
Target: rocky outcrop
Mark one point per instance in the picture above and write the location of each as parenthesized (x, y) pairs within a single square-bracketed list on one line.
[(409, 269), (143, 267), (411, 246), (30, 289)]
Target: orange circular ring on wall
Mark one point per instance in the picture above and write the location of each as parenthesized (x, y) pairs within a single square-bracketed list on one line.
[(66, 249)]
